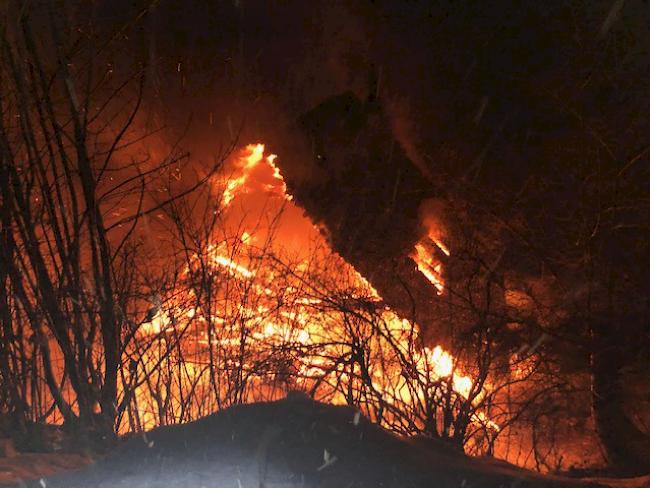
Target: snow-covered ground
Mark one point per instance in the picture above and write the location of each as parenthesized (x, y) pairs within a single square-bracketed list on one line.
[(639, 482), (30, 466), (289, 443)]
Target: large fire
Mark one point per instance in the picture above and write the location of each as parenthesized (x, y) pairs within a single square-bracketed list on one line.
[(273, 317)]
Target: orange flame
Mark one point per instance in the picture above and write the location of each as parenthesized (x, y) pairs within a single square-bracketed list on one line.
[(307, 324), (424, 256), (250, 158)]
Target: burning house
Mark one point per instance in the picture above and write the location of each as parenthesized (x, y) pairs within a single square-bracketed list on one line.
[(432, 214)]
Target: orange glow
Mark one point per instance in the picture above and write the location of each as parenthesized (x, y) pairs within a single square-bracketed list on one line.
[(251, 321), (429, 266), (250, 157), (232, 266)]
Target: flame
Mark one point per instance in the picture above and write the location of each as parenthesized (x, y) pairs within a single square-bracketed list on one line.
[(308, 323), (252, 156), (424, 256), (228, 263), (431, 250), (249, 159)]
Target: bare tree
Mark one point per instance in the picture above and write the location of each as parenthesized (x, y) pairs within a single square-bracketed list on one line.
[(70, 176)]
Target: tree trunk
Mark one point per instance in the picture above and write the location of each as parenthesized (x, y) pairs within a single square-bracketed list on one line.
[(627, 448)]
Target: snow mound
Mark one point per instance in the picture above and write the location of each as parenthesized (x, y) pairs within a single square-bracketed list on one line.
[(294, 442)]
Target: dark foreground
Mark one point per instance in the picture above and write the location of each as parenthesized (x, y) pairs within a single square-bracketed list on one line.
[(289, 443)]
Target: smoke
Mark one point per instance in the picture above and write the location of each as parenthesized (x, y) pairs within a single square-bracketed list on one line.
[(432, 214)]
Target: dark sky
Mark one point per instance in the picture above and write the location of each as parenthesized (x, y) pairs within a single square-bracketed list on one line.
[(514, 63), (503, 95)]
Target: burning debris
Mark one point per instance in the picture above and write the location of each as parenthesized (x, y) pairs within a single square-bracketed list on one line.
[(310, 326)]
